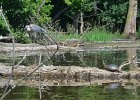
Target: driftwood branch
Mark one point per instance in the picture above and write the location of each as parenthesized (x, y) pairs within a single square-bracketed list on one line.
[(124, 64), (13, 46), (20, 61), (40, 93), (127, 63)]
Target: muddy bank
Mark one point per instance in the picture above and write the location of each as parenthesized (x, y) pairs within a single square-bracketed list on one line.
[(29, 49), (8, 47), (129, 84)]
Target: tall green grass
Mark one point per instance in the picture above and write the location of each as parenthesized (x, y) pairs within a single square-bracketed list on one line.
[(100, 34), (63, 37), (97, 34)]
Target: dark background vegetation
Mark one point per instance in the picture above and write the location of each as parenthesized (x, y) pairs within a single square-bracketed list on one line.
[(109, 14)]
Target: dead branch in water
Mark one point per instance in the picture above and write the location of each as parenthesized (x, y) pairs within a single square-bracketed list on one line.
[(127, 63)]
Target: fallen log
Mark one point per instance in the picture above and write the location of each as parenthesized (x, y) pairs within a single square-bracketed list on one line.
[(5, 39), (69, 72)]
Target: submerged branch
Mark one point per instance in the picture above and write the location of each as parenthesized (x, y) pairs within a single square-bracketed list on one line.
[(20, 61)]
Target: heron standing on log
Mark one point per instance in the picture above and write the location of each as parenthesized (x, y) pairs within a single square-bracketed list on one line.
[(35, 32)]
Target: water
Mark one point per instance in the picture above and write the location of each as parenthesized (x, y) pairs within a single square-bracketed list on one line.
[(90, 59), (113, 91), (103, 92)]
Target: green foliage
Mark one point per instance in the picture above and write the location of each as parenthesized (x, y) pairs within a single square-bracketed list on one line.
[(21, 12), (69, 2), (21, 37), (112, 14), (63, 37), (84, 5), (79, 5), (3, 29), (39, 11), (102, 13)]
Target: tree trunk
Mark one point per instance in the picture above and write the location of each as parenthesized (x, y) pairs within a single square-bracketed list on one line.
[(130, 26), (76, 18), (82, 22)]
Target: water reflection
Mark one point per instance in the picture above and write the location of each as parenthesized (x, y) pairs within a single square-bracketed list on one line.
[(112, 86), (91, 59), (83, 59), (75, 93)]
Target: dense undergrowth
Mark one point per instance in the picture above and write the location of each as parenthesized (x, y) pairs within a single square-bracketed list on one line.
[(96, 34)]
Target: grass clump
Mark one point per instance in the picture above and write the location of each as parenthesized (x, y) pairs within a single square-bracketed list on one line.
[(95, 35), (100, 34), (63, 37)]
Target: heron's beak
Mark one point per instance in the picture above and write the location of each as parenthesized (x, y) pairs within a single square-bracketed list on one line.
[(27, 30)]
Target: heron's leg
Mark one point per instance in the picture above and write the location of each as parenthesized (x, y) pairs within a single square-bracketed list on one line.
[(31, 36), (34, 37)]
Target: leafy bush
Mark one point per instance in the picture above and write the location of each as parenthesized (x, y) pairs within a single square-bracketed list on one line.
[(21, 37)]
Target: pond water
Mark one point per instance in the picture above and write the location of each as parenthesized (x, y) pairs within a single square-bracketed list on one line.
[(75, 93), (113, 91), (85, 59)]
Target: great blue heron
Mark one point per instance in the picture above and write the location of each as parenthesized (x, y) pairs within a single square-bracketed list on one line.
[(34, 28), (35, 32)]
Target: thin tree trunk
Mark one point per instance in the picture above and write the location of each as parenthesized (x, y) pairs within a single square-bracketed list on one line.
[(76, 22), (130, 26), (40, 6), (82, 22)]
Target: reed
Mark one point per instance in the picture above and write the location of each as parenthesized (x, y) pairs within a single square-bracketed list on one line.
[(97, 34), (101, 35)]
